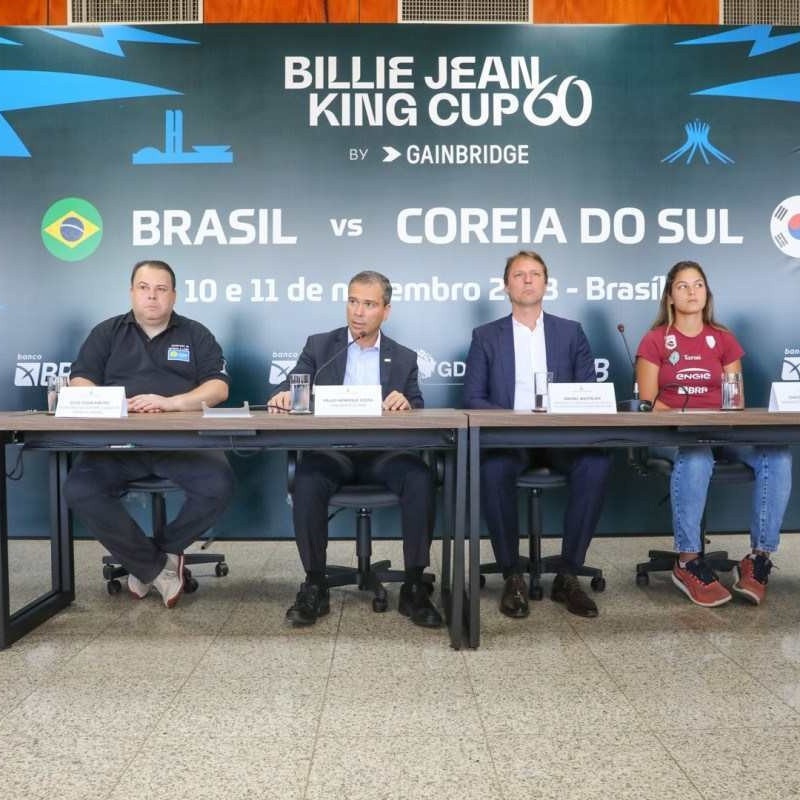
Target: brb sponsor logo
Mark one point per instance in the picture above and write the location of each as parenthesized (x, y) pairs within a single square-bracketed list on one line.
[(790, 369), (72, 229), (447, 372), (693, 374), (280, 367), (33, 370)]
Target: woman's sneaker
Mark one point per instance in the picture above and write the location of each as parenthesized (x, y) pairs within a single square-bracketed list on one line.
[(699, 583), (752, 575), (169, 582), (139, 589)]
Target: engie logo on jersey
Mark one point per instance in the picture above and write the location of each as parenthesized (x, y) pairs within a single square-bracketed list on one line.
[(429, 368), (32, 370), (280, 367), (790, 369)]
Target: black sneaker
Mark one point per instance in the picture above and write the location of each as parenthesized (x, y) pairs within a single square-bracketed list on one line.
[(312, 601)]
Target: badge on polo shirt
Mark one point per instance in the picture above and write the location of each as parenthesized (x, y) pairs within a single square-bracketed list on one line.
[(179, 352), (674, 357)]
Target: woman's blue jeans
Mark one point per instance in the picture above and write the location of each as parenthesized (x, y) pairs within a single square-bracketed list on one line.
[(691, 473)]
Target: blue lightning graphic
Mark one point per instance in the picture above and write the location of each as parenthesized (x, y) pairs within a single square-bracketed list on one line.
[(110, 37), (759, 35), (773, 87), (8, 41), (32, 89)]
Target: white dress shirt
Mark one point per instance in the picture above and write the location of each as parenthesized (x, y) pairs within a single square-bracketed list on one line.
[(530, 356)]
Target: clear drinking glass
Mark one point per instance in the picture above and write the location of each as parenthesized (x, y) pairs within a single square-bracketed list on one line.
[(541, 390), (300, 393)]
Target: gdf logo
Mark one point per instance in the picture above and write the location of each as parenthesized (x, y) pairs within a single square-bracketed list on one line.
[(429, 367)]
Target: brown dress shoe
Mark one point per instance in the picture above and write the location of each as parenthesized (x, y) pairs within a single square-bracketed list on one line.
[(514, 602), (567, 590)]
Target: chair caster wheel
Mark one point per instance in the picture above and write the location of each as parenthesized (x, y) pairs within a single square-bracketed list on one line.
[(114, 587), (642, 579), (483, 581), (598, 583), (536, 593), (108, 572), (379, 604), (221, 570), (190, 584)]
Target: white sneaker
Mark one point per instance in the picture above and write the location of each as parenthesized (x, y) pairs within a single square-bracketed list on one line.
[(169, 581), (139, 589)]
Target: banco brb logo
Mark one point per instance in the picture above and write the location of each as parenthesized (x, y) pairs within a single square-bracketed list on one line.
[(72, 229)]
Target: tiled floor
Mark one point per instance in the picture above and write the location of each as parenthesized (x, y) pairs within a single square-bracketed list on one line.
[(216, 699)]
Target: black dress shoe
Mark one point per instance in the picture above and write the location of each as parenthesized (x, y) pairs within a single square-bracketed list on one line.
[(567, 590), (415, 603), (514, 602), (312, 601)]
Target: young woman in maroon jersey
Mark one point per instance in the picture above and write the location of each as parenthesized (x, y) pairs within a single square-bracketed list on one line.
[(679, 364)]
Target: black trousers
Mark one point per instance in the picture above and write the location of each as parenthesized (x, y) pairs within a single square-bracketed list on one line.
[(97, 481), (587, 472), (319, 476)]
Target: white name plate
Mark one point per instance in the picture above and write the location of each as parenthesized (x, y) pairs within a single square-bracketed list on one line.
[(92, 401), (783, 396), (348, 401), (218, 413), (582, 398)]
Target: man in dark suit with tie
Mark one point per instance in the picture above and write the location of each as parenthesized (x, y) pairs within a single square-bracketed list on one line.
[(503, 357), (361, 353)]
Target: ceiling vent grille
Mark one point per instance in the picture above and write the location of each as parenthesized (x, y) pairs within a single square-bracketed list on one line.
[(99, 12), (465, 10), (760, 12)]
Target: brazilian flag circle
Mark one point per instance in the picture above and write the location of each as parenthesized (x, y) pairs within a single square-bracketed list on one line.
[(72, 229)]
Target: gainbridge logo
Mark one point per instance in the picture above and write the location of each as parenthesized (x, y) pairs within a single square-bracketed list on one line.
[(72, 229)]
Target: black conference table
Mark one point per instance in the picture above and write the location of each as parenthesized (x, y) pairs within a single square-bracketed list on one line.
[(497, 429), (442, 430)]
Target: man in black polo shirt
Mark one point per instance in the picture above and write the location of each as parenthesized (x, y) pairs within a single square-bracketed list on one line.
[(166, 362)]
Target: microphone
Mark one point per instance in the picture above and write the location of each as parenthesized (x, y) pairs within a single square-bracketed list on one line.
[(635, 404), (335, 356), (680, 389)]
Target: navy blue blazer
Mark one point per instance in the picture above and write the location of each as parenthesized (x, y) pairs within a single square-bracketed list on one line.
[(398, 365), (491, 373)]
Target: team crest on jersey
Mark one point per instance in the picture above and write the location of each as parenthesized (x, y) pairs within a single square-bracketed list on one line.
[(674, 357), (711, 341), (670, 341)]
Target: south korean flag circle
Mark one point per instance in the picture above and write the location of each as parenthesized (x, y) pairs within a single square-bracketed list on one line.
[(784, 226)]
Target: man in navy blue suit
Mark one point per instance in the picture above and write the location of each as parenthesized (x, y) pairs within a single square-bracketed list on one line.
[(503, 357), (361, 353)]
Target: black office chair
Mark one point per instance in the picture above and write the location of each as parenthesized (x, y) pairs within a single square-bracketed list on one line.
[(367, 576), (535, 481), (725, 473), (157, 488)]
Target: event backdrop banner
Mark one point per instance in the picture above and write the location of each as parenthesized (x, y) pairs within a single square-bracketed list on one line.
[(269, 163)]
